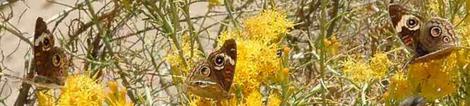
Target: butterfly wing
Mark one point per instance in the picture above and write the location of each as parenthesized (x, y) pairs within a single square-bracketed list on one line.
[(223, 61), (406, 24), (60, 64), (203, 81), (230, 49), (43, 43), (43, 39), (429, 39), (213, 77), (51, 62), (437, 35), (434, 55)]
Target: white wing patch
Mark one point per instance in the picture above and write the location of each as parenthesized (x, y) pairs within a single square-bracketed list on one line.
[(219, 67), (229, 59), (40, 39), (203, 83), (402, 23)]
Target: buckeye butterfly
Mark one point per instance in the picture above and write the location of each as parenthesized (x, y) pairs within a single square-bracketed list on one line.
[(212, 78), (51, 62), (428, 39)]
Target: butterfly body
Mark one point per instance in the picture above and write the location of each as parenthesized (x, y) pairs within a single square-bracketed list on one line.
[(51, 62), (428, 39), (212, 78)]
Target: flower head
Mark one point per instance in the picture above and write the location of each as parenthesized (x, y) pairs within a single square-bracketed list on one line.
[(45, 98), (269, 25), (257, 61), (332, 44), (182, 61), (213, 3), (254, 99), (117, 96), (380, 64), (361, 72), (357, 70), (435, 78), (432, 79), (400, 88), (274, 100), (81, 90), (257, 53)]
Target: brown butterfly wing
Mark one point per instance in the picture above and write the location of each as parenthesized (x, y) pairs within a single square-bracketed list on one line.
[(224, 72), (437, 34), (406, 24), (425, 42), (51, 62), (434, 55), (396, 12), (203, 81), (60, 63), (438, 40), (43, 39), (42, 45)]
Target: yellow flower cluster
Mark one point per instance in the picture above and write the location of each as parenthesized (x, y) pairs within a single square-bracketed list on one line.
[(213, 3), (433, 79), (434, 5), (274, 100), (357, 71), (45, 98), (117, 95), (191, 54), (254, 99), (198, 101), (379, 65), (269, 26), (399, 88), (258, 61), (81, 90), (332, 44), (360, 71)]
